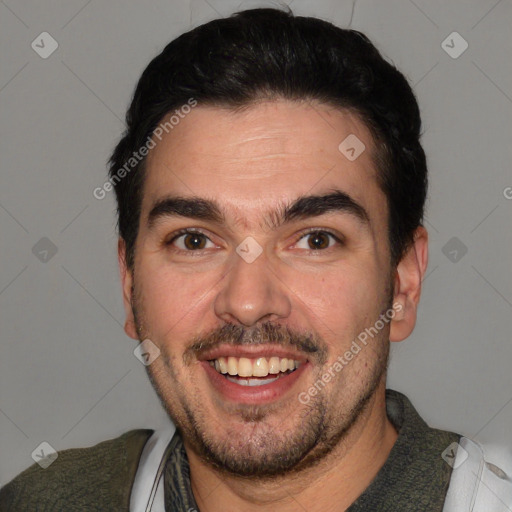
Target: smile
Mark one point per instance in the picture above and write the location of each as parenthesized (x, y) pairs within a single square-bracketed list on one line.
[(239, 370), (260, 378)]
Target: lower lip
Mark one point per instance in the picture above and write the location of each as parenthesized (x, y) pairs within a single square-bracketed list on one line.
[(253, 394)]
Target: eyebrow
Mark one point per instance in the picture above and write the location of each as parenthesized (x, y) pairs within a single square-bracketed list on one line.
[(303, 207)]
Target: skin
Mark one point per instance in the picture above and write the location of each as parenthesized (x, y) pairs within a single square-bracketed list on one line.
[(251, 162)]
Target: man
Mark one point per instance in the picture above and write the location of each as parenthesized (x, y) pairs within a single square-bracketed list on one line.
[(270, 188)]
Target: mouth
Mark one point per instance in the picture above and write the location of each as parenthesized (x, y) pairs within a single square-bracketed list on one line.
[(253, 375), (254, 372)]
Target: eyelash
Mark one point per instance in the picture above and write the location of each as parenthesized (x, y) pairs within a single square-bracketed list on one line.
[(303, 234)]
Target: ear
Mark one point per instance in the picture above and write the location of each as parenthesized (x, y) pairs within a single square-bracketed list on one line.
[(127, 283), (408, 278)]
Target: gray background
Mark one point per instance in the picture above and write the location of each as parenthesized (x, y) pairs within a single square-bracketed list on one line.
[(68, 375)]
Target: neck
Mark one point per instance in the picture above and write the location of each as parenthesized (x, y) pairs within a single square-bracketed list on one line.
[(332, 485)]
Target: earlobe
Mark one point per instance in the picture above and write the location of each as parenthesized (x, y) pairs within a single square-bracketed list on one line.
[(127, 287), (407, 287)]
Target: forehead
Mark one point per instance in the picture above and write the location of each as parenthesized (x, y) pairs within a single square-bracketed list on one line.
[(263, 155)]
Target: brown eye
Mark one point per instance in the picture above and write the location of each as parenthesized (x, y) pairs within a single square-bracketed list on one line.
[(194, 241), (317, 240), (190, 241)]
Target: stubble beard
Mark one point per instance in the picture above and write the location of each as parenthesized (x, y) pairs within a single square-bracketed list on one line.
[(258, 451)]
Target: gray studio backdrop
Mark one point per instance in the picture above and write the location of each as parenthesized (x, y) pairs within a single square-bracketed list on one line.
[(68, 376)]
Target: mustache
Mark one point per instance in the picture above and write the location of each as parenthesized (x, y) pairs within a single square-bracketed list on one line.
[(238, 335)]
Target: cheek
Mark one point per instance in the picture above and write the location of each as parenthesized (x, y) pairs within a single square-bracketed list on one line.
[(340, 305), (171, 301), (341, 298)]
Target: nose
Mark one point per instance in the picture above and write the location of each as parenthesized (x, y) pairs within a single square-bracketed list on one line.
[(251, 293)]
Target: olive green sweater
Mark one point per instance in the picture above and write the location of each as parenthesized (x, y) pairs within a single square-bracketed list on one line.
[(81, 479)]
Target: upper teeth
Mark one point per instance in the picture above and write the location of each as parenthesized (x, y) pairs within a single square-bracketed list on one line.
[(260, 367)]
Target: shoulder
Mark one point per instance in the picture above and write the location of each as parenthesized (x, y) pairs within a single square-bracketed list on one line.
[(93, 478), (481, 478)]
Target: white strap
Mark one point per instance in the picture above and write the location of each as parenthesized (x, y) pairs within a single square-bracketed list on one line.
[(481, 479), (147, 491)]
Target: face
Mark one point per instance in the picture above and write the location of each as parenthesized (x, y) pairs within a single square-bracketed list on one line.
[(262, 254)]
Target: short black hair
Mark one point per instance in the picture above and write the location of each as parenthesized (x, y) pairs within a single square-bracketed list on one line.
[(260, 54)]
